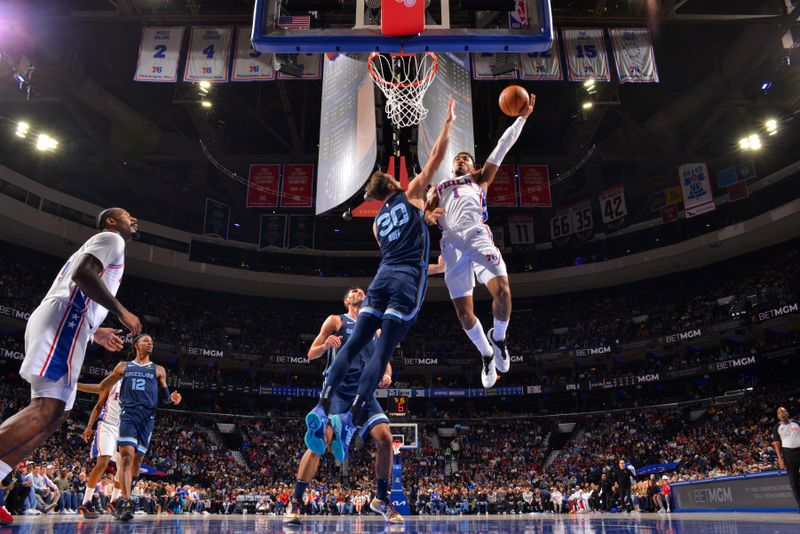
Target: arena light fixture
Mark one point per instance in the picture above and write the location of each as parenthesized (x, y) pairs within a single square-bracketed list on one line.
[(22, 129), (587, 105), (206, 104), (744, 143), (772, 126), (45, 142), (755, 142), (588, 84)]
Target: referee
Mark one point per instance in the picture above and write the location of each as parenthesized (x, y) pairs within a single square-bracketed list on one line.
[(786, 439)]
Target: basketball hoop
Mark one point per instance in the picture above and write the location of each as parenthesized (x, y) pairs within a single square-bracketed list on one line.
[(404, 79), (396, 447)]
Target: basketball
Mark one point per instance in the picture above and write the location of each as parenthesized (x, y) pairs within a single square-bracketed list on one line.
[(513, 100)]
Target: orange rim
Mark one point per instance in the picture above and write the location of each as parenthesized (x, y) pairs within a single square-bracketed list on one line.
[(379, 79)]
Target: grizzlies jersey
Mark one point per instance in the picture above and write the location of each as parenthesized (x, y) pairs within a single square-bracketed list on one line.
[(349, 385), (139, 389), (464, 203), (402, 233)]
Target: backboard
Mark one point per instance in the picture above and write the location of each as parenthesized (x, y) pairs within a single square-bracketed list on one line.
[(406, 434), (314, 26)]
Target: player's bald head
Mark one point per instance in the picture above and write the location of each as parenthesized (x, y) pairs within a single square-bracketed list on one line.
[(105, 215)]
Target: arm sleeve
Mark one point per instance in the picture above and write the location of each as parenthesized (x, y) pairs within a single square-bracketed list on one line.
[(506, 141), (107, 247)]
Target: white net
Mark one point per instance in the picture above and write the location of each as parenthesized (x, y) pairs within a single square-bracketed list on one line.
[(396, 447), (404, 79)]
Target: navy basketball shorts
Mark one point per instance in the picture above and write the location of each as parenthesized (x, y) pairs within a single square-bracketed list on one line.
[(341, 403), (136, 429), (396, 291)]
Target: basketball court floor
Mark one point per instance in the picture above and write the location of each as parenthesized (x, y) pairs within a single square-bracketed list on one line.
[(546, 524)]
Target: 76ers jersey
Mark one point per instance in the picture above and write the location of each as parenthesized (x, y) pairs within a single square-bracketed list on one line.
[(464, 203), (110, 412)]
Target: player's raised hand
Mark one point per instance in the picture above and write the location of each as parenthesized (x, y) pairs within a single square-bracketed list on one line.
[(386, 381), (333, 342), (108, 339), (451, 109), (131, 322), (87, 434), (176, 398), (529, 109), (434, 216)]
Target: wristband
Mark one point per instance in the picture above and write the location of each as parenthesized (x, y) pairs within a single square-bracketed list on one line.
[(165, 395)]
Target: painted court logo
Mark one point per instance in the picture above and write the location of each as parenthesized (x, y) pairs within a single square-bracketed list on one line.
[(407, 3)]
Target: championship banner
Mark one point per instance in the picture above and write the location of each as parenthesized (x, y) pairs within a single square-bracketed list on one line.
[(159, 52), (520, 228), (272, 231), (263, 183), (310, 65), (248, 63), (541, 66), (586, 54), (217, 218), (561, 225), (696, 187), (503, 191), (483, 63), (633, 54), (534, 186), (612, 204), (209, 50), (297, 186), (581, 213)]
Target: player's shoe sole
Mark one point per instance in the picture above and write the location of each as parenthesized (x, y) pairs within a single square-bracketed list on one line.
[(488, 372), (343, 431), (387, 510), (316, 421), (293, 519), (501, 358), (88, 513)]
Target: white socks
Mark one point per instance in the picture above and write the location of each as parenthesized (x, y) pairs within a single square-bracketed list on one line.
[(5, 469), (478, 338), (87, 496), (115, 494), (500, 328)]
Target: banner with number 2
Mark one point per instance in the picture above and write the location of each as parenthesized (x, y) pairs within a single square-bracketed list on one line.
[(159, 52), (209, 50)]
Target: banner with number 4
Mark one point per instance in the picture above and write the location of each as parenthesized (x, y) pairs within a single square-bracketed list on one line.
[(612, 204), (209, 50), (159, 52)]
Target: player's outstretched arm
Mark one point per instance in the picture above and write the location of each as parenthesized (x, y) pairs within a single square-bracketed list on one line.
[(327, 338), (436, 268), (105, 385), (432, 210), (417, 187), (87, 278), (95, 415), (486, 175)]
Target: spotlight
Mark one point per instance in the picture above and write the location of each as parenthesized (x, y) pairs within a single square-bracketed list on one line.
[(588, 84), (205, 85), (587, 105), (206, 104), (766, 86), (22, 129), (744, 143), (755, 142), (772, 126), (45, 142)]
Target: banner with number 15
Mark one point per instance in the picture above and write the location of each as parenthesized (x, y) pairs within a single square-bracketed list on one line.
[(209, 50), (159, 52)]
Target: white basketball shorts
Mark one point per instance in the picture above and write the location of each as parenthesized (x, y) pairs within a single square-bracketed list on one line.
[(105, 440), (55, 345), (468, 255)]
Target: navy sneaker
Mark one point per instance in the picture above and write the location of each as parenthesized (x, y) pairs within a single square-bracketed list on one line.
[(316, 422), (343, 432)]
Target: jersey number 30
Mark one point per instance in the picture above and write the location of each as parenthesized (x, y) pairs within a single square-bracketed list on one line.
[(390, 223)]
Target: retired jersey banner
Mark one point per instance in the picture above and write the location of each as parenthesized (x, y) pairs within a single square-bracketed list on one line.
[(585, 49), (159, 53), (520, 229), (542, 66), (263, 184), (612, 204), (561, 224), (582, 220), (696, 187), (298, 186), (272, 231), (209, 50), (248, 63), (503, 191), (310, 66), (633, 54), (534, 186), (216, 219), (483, 63)]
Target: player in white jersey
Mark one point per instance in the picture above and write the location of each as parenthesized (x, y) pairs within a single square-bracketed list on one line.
[(469, 251), (104, 446), (59, 329)]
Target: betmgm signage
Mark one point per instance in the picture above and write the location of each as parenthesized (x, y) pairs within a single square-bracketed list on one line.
[(752, 492)]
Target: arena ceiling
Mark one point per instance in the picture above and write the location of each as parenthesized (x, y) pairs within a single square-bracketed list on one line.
[(137, 143)]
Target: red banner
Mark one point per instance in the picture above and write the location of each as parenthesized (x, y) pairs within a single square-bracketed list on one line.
[(669, 213), (298, 186), (738, 191), (503, 191), (262, 186), (534, 186)]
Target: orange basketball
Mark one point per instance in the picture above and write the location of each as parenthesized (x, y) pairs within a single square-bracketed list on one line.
[(513, 100)]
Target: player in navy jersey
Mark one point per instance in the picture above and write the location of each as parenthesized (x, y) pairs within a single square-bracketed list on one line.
[(394, 296), (143, 382), (335, 331)]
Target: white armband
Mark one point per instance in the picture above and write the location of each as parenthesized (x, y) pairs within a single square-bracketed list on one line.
[(506, 141)]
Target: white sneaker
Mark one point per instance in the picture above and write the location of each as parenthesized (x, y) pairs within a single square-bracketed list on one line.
[(488, 371), (139, 512), (501, 358), (31, 511)]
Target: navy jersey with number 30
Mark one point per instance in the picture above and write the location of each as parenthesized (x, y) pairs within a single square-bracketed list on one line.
[(139, 390), (402, 233)]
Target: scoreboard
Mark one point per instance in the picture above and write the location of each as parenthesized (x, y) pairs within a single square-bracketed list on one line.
[(398, 406)]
